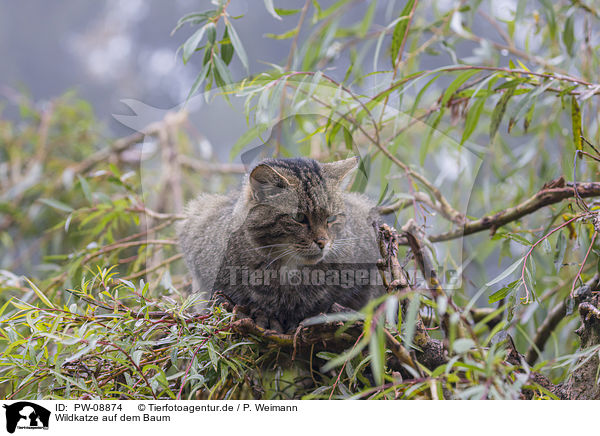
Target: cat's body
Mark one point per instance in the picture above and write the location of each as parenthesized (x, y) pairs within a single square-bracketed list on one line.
[(288, 246)]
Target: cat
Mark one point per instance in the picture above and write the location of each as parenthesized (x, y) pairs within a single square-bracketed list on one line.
[(288, 245)]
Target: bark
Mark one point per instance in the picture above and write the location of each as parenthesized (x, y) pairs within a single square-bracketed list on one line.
[(583, 383)]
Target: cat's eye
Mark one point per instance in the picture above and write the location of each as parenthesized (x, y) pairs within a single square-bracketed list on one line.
[(333, 218), (299, 217)]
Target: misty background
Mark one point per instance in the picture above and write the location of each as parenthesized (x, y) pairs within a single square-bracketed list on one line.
[(123, 49)]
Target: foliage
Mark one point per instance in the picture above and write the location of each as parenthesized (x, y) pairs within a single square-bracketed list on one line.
[(452, 128)]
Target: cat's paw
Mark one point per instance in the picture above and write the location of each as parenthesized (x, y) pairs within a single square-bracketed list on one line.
[(258, 317), (240, 312), (267, 322)]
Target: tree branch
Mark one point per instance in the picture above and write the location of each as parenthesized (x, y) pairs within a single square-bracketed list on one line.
[(210, 167), (123, 144), (545, 197), (552, 320), (544, 331)]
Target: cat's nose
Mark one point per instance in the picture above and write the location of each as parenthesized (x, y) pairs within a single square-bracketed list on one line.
[(321, 242)]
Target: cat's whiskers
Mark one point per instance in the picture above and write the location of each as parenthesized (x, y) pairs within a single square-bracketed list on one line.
[(292, 256), (335, 250), (267, 246), (284, 253), (341, 244), (340, 248)]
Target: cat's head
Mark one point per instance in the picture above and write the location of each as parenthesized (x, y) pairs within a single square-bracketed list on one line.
[(296, 208)]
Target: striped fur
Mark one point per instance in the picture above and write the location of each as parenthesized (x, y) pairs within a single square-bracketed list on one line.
[(291, 214)]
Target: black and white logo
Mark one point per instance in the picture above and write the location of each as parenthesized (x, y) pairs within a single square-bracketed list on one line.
[(26, 415)]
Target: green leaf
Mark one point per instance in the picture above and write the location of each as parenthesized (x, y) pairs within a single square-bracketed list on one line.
[(377, 353), (365, 24), (285, 12), (40, 294), (362, 176), (198, 82), (546, 245), (345, 356), (286, 35), (422, 92), (223, 70), (195, 18), (212, 355), (348, 139), (513, 83), (317, 6), (400, 30), (211, 32), (136, 356), (56, 204), (569, 36), (528, 117), (502, 234), (271, 9), (85, 187), (472, 119), (576, 122), (462, 345), (528, 100), (502, 293), (508, 271), (410, 323), (226, 47), (189, 47), (330, 10), (456, 83), (499, 111), (237, 45), (550, 16), (561, 247)]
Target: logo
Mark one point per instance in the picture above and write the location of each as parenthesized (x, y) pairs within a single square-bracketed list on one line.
[(26, 415)]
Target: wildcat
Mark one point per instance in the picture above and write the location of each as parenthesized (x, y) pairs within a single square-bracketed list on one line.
[(288, 245)]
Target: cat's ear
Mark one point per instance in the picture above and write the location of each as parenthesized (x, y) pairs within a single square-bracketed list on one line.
[(339, 170), (266, 181)]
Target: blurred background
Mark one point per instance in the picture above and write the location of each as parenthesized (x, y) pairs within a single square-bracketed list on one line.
[(111, 50)]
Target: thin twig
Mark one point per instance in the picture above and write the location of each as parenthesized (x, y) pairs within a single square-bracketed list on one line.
[(187, 370), (210, 167), (578, 276), (398, 59), (288, 64), (154, 268), (337, 380), (546, 236), (122, 245)]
